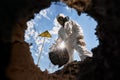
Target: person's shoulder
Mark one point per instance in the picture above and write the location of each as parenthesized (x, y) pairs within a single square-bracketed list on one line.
[(61, 29), (73, 22), (69, 22)]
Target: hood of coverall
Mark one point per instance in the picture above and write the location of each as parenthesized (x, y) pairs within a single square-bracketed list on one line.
[(61, 18)]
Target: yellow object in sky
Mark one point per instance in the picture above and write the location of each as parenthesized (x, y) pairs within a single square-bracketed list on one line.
[(45, 34)]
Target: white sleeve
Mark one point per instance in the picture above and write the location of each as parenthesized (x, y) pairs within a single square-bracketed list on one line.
[(68, 27), (77, 29), (61, 35)]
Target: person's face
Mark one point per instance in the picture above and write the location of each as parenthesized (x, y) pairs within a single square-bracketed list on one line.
[(60, 20)]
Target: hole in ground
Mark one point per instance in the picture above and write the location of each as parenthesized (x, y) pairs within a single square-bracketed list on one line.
[(45, 20)]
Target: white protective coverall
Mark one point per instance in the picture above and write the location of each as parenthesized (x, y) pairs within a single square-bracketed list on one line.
[(73, 37)]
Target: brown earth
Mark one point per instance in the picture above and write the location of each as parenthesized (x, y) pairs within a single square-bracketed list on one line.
[(16, 60)]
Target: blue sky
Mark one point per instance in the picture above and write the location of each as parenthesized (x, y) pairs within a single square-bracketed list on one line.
[(46, 20)]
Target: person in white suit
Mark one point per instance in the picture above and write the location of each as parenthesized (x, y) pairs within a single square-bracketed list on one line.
[(72, 35)]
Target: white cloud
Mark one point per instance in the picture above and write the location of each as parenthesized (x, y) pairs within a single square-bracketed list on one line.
[(36, 34), (67, 8), (38, 17), (47, 40), (38, 41), (44, 13), (39, 50), (30, 24), (32, 32), (30, 29), (55, 28), (56, 23), (31, 47), (27, 37), (36, 54)]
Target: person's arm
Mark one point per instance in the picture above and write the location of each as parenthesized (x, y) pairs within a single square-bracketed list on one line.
[(56, 43), (59, 39), (68, 27), (77, 29)]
